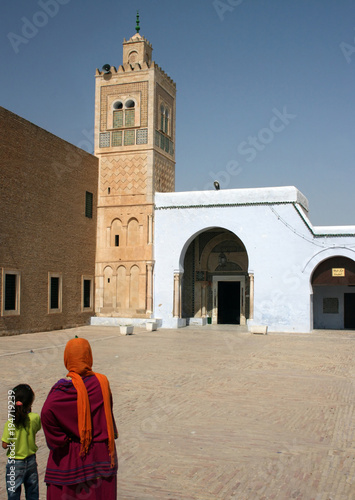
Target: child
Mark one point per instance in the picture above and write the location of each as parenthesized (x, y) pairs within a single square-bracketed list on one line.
[(19, 438)]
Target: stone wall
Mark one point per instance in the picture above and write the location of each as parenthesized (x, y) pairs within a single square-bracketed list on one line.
[(44, 229)]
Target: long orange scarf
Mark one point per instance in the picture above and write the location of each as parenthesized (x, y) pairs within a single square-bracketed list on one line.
[(78, 361)]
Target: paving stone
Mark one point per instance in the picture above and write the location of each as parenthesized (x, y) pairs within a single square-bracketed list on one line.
[(211, 412)]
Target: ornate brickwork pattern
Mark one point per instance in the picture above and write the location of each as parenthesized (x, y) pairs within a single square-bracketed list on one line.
[(164, 178), (126, 174), (124, 88)]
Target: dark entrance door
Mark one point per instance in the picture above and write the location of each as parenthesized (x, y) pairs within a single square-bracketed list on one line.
[(228, 302), (349, 310)]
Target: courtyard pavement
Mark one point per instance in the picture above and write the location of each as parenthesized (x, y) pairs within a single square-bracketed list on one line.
[(211, 412)]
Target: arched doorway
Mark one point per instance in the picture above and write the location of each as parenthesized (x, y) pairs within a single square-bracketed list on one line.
[(333, 283), (215, 282)]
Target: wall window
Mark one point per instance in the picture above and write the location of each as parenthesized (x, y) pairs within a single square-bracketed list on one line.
[(142, 136), (117, 114), (163, 142), (164, 120), (88, 204), (124, 116), (117, 138), (87, 288), (54, 292), (117, 240), (163, 134), (129, 118), (129, 137), (104, 141), (10, 293)]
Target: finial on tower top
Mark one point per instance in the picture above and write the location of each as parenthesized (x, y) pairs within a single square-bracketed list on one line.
[(137, 23)]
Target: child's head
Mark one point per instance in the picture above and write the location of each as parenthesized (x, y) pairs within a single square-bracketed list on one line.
[(24, 397)]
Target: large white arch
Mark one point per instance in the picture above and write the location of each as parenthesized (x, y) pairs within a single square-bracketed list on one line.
[(191, 238), (324, 254)]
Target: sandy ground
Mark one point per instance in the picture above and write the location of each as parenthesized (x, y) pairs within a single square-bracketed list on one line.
[(211, 412)]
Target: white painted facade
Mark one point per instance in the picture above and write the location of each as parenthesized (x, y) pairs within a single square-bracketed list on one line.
[(282, 245)]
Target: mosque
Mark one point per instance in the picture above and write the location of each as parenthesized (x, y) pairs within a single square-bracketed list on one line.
[(105, 239)]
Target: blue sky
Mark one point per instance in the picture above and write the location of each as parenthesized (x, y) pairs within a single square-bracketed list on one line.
[(265, 88)]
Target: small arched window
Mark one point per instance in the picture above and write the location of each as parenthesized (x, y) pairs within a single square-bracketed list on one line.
[(130, 113), (164, 119), (117, 114), (166, 124), (133, 57), (130, 103)]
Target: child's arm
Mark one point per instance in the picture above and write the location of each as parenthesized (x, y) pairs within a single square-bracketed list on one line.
[(5, 438)]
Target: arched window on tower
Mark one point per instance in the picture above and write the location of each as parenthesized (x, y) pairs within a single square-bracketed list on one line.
[(129, 113), (164, 119), (167, 122), (124, 114), (118, 114), (124, 117)]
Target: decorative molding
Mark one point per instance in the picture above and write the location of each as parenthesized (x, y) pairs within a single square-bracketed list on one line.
[(320, 235), (224, 205), (263, 203)]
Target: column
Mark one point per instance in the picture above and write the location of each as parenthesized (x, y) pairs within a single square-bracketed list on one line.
[(177, 295), (149, 288), (251, 296), (204, 302), (150, 229)]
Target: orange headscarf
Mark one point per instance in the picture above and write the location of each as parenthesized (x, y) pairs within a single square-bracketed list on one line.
[(78, 360)]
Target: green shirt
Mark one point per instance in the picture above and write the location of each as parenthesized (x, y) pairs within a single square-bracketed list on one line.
[(24, 438)]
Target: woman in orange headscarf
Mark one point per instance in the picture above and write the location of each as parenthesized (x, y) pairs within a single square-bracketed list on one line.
[(80, 431)]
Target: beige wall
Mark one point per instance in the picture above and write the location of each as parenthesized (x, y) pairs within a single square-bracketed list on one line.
[(129, 176), (43, 226)]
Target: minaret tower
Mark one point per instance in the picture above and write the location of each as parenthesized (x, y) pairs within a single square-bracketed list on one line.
[(135, 144)]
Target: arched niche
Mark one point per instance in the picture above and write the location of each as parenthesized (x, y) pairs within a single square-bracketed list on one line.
[(116, 236), (333, 286), (121, 287), (134, 287), (133, 234), (109, 288), (215, 282)]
